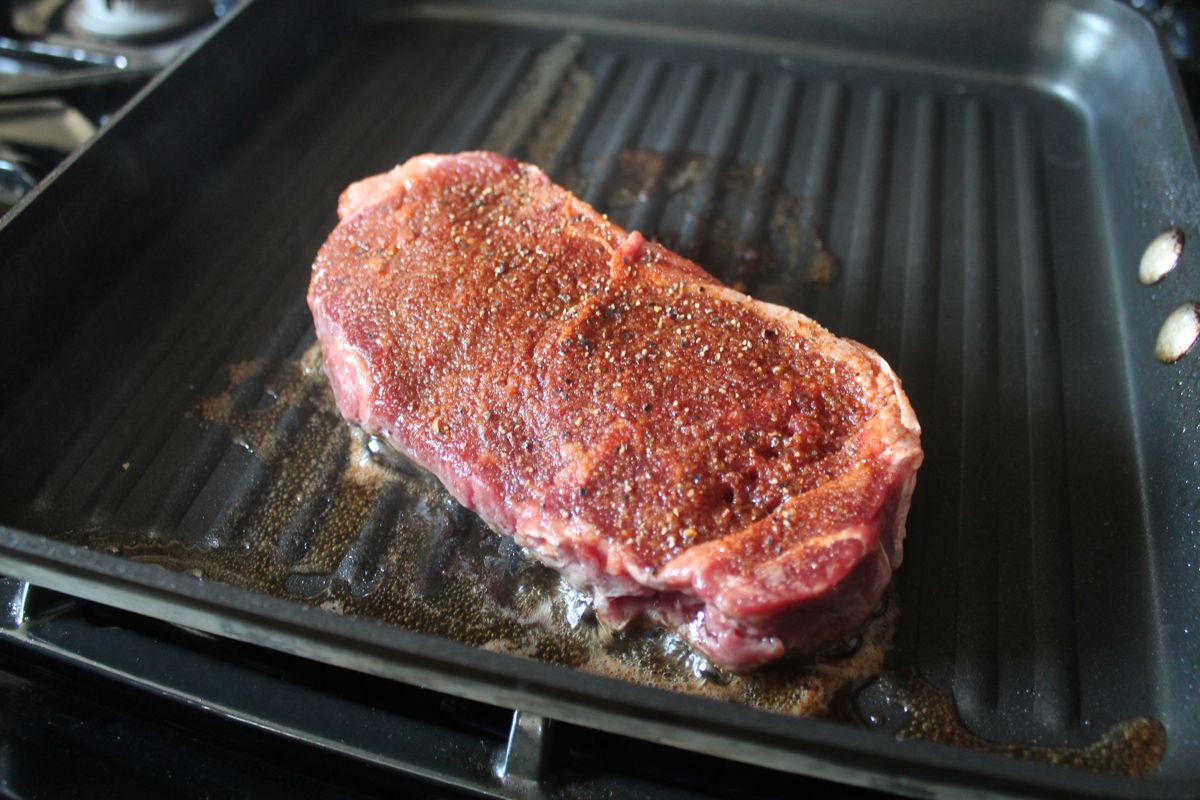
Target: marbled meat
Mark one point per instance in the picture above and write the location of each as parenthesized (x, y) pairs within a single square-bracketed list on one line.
[(683, 453)]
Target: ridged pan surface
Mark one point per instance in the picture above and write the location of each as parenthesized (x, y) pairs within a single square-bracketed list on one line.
[(959, 223)]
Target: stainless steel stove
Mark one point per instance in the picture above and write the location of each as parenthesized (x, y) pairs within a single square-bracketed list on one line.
[(67, 65)]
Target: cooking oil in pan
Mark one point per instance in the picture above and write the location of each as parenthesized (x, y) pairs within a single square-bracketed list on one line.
[(912, 708), (343, 522), (775, 238)]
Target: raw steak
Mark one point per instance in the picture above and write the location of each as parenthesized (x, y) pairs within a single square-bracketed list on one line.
[(682, 452)]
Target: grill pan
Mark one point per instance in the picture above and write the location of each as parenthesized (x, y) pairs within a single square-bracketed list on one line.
[(968, 190)]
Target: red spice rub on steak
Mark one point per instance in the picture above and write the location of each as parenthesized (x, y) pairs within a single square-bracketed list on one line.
[(677, 449)]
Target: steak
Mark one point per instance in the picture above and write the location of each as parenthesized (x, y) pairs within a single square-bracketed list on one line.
[(680, 451)]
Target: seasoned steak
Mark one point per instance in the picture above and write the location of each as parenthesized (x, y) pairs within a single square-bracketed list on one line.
[(682, 452)]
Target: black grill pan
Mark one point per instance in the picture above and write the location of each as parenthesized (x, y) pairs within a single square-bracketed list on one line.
[(971, 188)]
